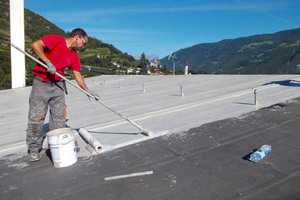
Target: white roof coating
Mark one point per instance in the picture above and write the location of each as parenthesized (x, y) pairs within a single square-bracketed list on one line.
[(159, 106)]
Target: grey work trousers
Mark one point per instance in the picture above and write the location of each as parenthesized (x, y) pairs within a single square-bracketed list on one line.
[(44, 95)]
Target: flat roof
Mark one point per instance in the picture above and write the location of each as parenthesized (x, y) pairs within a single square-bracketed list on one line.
[(199, 149)]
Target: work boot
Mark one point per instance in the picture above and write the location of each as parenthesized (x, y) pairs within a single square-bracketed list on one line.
[(35, 156)]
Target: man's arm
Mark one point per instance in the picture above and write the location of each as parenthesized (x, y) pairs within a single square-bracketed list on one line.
[(79, 80), (81, 83), (39, 48)]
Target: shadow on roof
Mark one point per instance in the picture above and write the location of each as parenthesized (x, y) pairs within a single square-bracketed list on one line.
[(292, 83)]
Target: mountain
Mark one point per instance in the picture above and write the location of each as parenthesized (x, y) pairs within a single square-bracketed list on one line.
[(277, 53), (97, 53)]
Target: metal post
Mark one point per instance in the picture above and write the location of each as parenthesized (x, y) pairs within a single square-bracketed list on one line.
[(144, 90), (255, 92), (181, 90), (174, 67)]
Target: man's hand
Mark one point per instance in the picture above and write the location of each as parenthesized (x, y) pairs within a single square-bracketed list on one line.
[(51, 69), (93, 94)]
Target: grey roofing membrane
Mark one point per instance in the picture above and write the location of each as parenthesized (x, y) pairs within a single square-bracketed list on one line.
[(161, 107), (205, 162)]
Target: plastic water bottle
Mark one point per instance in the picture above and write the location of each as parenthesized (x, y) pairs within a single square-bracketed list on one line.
[(260, 153)]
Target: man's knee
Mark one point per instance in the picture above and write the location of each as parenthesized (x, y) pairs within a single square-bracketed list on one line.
[(35, 128)]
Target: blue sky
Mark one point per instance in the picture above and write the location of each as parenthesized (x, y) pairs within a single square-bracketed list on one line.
[(164, 26)]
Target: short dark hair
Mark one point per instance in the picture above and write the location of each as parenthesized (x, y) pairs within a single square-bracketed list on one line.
[(78, 31)]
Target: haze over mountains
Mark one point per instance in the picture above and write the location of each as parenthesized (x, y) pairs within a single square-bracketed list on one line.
[(149, 57)]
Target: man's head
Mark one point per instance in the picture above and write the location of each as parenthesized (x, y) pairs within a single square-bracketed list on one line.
[(80, 38), (78, 31)]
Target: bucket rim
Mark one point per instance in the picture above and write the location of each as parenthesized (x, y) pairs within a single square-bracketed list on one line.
[(59, 131)]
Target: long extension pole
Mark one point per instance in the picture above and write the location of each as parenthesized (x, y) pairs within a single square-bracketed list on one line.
[(144, 131)]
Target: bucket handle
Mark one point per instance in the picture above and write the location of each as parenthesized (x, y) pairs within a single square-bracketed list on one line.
[(65, 139)]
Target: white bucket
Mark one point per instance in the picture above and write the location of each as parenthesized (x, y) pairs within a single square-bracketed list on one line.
[(62, 147)]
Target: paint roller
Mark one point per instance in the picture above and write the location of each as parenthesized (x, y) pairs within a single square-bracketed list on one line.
[(143, 131), (95, 144)]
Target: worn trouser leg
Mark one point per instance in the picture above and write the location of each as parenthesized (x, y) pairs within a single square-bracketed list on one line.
[(57, 108), (38, 106), (42, 95)]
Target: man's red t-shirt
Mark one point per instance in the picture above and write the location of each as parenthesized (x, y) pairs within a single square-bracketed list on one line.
[(59, 55)]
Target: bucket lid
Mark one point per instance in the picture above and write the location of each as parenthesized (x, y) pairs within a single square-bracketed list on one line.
[(60, 136), (59, 131)]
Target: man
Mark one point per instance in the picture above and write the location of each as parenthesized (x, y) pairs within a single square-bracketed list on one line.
[(48, 90)]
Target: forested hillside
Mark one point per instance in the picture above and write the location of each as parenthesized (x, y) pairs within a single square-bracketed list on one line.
[(277, 53), (97, 53), (4, 46)]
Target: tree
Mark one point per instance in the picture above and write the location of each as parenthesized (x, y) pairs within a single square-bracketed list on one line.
[(165, 70), (143, 64), (126, 63)]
